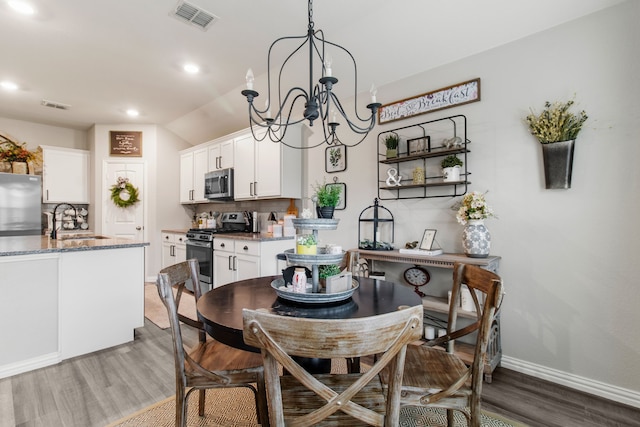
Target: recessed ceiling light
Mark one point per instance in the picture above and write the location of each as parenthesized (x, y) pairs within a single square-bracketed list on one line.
[(22, 7), (9, 85), (191, 68), (133, 113)]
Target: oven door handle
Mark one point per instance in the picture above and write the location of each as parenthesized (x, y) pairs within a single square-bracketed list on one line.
[(198, 244)]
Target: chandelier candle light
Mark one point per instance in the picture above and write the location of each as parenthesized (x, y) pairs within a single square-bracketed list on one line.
[(320, 101)]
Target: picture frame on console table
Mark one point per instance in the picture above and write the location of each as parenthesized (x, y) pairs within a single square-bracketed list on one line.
[(428, 237)]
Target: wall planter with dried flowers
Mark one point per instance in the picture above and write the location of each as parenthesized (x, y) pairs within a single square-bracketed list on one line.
[(557, 129)]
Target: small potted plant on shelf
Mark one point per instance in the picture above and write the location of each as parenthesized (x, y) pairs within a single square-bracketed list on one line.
[(391, 142), (451, 166), (306, 244), (325, 271), (327, 198)]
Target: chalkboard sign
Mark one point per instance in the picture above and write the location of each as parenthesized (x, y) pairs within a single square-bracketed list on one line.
[(126, 143)]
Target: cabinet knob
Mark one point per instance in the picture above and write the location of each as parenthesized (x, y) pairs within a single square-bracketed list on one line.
[(222, 245), (246, 248), (138, 228)]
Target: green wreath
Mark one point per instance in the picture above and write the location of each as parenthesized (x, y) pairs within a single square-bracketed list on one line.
[(123, 185)]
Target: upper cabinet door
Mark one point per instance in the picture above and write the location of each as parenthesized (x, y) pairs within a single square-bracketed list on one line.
[(193, 166), (221, 155), (65, 175)]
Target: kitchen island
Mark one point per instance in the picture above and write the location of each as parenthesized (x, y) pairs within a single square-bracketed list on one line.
[(68, 297)]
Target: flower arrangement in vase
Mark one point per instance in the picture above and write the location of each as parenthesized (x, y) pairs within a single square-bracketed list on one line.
[(472, 211), (473, 207)]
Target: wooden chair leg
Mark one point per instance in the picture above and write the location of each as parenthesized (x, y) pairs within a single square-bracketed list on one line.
[(181, 408), (262, 408), (450, 419), (201, 398)]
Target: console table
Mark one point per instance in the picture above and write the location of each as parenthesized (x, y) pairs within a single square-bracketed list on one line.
[(436, 304)]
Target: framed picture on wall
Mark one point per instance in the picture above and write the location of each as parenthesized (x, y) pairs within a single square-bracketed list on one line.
[(335, 158), (342, 203)]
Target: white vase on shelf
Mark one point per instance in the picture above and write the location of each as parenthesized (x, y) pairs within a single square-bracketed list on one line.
[(476, 239)]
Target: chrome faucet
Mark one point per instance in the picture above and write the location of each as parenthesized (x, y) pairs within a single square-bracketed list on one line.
[(54, 232)]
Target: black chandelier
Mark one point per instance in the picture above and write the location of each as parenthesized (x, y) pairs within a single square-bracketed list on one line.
[(320, 102)]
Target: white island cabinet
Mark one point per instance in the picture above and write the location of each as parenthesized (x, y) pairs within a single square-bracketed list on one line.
[(62, 299)]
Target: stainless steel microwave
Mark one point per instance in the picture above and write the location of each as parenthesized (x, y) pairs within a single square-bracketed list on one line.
[(218, 185)]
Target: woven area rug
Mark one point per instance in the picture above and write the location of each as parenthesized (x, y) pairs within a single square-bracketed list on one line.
[(156, 312), (236, 407)]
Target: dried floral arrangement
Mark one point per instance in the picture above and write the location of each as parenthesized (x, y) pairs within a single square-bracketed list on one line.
[(556, 123)]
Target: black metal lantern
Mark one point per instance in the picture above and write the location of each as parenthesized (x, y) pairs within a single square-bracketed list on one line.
[(376, 228)]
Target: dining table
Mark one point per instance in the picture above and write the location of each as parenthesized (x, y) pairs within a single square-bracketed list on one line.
[(220, 310)]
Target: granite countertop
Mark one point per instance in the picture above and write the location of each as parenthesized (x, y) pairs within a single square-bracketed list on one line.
[(255, 237), (175, 231), (29, 245)]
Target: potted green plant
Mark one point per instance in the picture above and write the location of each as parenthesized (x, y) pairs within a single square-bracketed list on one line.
[(556, 128), (391, 142), (327, 198), (451, 166), (325, 271), (306, 244)]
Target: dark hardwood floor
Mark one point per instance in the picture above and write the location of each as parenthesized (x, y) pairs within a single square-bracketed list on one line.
[(102, 387)]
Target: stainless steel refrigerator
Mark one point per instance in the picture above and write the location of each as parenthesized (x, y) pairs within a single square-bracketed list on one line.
[(20, 204)]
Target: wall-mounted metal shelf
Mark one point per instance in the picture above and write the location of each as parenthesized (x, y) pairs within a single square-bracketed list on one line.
[(423, 145)]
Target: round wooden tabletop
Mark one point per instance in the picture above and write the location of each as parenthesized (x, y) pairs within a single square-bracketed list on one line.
[(221, 309)]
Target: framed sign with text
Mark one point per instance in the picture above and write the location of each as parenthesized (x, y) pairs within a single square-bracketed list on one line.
[(450, 96), (125, 143)]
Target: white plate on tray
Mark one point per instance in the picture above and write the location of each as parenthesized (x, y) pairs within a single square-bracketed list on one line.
[(310, 298)]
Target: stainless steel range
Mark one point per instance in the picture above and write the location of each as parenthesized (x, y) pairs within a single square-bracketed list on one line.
[(200, 245)]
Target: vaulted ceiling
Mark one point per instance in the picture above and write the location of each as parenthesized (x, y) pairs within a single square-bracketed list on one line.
[(101, 58)]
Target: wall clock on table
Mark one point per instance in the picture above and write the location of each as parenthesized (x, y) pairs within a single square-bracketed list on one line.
[(417, 277)]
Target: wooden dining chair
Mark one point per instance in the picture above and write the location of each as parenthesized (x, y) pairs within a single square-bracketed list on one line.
[(210, 364), (304, 399), (434, 377)]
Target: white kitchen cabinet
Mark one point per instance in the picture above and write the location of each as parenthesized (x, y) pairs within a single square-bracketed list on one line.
[(65, 175), (235, 260), (193, 166), (174, 248), (221, 155), (264, 169), (240, 259)]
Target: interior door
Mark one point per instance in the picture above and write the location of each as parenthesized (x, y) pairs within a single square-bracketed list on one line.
[(126, 223)]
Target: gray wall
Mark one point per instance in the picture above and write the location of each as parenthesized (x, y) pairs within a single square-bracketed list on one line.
[(570, 257)]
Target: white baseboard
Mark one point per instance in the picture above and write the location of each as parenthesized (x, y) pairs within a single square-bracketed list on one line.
[(587, 385), (29, 365)]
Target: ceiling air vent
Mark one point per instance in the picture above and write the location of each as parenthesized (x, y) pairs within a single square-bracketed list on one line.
[(52, 104), (193, 15)]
